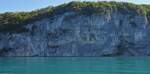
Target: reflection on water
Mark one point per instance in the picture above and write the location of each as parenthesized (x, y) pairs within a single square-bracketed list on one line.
[(75, 65)]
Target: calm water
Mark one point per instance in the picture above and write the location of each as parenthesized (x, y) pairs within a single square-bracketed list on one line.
[(75, 65)]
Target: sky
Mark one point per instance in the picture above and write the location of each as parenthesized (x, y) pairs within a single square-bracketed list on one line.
[(29, 5)]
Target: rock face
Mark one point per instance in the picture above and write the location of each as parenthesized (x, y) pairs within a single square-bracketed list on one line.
[(71, 34)]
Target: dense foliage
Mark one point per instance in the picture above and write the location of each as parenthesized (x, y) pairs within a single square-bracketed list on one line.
[(15, 21)]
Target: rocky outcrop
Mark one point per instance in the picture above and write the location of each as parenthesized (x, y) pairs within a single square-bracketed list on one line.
[(73, 34)]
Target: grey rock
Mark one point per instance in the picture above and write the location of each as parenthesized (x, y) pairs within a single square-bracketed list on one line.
[(71, 34)]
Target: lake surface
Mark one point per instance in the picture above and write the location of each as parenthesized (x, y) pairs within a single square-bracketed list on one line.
[(75, 65)]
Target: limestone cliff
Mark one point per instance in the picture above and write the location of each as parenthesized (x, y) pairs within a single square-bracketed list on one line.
[(71, 33)]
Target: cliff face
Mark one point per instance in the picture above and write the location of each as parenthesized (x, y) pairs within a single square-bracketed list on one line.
[(72, 34)]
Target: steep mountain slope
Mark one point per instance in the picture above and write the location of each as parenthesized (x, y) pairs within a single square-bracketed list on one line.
[(77, 29)]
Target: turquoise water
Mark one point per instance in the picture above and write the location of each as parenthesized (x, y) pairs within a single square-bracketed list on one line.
[(75, 65)]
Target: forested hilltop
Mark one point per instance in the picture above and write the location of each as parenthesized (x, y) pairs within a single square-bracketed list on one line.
[(13, 21)]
